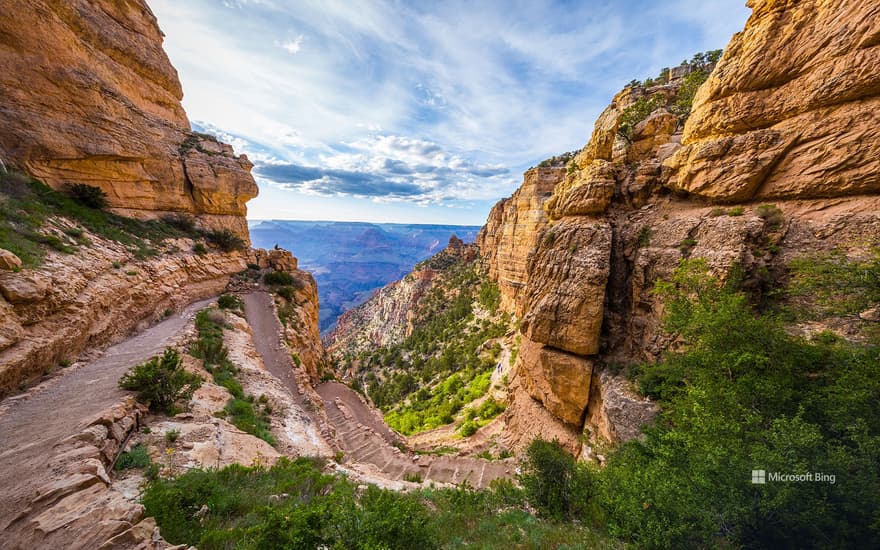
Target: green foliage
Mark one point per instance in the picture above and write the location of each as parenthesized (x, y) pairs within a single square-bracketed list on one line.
[(225, 240), (428, 378), (88, 195), (771, 214), (554, 483), (412, 477), (744, 394), (834, 284), (240, 410), (286, 292), (559, 160), (247, 417), (468, 428), (489, 296), (637, 112), (321, 510), (200, 249), (162, 382), (684, 97), (230, 301), (27, 228), (181, 222), (137, 457), (736, 211), (490, 408), (278, 278), (171, 436)]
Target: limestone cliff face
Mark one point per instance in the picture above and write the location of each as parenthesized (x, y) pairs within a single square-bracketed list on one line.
[(788, 114), (792, 110), (89, 96), (512, 229), (72, 303)]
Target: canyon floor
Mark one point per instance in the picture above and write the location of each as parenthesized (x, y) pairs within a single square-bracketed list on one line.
[(34, 424)]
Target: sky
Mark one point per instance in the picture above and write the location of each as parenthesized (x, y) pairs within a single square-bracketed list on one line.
[(416, 112)]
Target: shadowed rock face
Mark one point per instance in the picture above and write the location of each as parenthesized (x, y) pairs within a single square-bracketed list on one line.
[(89, 96)]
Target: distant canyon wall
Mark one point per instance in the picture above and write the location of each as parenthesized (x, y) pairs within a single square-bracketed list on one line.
[(89, 96)]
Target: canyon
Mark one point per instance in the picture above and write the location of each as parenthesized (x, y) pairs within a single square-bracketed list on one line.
[(776, 159)]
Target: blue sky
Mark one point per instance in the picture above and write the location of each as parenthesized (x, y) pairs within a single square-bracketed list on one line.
[(416, 112)]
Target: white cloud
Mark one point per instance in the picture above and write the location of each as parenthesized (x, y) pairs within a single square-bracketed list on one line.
[(386, 87), (293, 46)]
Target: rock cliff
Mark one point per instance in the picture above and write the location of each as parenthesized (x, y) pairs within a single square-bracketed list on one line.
[(89, 96), (72, 303), (789, 114)]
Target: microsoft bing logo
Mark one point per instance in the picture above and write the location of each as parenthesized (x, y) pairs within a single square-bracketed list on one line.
[(759, 477)]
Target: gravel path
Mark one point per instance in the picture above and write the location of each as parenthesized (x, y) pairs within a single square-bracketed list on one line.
[(32, 423), (361, 433)]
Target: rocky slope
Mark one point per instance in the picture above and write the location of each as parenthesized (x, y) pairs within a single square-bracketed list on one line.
[(91, 97), (788, 114), (51, 314), (387, 317)]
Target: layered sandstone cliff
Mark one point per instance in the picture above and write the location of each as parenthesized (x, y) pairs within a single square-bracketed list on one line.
[(788, 114), (72, 303), (89, 96)]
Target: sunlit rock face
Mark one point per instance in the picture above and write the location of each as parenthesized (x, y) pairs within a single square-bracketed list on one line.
[(89, 96), (789, 115), (792, 109)]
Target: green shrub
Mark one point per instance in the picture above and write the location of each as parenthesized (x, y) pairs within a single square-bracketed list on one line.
[(557, 486), (278, 278), (286, 292), (200, 249), (468, 428), (644, 238), (225, 240), (182, 222), (88, 195), (771, 214), (736, 211), (247, 418), (637, 112), (745, 394), (230, 301), (490, 409), (171, 436), (162, 382), (684, 97), (137, 457)]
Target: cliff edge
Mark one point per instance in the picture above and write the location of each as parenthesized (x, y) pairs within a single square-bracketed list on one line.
[(91, 97)]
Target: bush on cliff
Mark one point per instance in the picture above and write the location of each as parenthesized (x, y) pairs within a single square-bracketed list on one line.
[(743, 395), (88, 195), (225, 240), (278, 278), (162, 382)]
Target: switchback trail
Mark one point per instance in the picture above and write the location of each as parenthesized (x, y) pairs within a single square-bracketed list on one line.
[(32, 423), (361, 434)]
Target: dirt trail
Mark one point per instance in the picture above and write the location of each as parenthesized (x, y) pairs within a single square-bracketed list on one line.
[(361, 433), (32, 423), (261, 317)]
